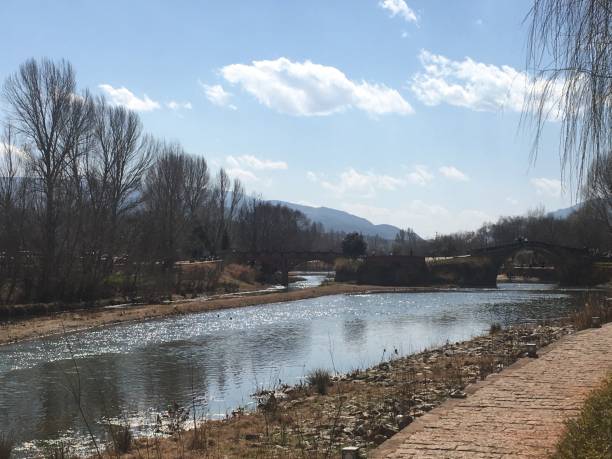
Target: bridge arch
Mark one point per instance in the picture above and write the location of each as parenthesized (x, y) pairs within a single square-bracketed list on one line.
[(573, 266)]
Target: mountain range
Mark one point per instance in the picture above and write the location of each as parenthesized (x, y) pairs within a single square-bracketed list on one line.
[(562, 214), (339, 220)]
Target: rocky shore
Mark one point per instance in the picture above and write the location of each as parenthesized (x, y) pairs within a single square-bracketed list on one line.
[(362, 408)]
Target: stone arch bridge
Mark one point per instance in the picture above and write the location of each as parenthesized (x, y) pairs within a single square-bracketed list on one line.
[(573, 266), (480, 267)]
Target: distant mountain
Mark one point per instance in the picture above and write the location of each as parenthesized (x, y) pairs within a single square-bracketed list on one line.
[(338, 220), (562, 214)]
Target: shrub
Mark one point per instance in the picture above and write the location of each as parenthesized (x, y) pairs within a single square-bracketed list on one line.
[(590, 435), (347, 264), (582, 319), (122, 438), (495, 328), (59, 451), (319, 379), (6, 446)]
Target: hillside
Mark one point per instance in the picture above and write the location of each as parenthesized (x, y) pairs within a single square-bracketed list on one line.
[(339, 220)]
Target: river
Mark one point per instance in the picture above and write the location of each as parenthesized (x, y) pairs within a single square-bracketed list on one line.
[(218, 359)]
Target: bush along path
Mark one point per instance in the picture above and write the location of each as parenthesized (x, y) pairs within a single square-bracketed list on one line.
[(521, 412)]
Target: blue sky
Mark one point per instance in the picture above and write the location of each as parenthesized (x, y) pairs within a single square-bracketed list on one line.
[(403, 112)]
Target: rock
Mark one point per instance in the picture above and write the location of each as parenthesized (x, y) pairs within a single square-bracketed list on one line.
[(378, 439), (403, 420), (385, 430)]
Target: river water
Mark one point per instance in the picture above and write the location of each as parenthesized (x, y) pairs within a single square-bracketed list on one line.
[(216, 360)]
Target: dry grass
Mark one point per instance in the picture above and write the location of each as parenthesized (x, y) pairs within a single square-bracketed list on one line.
[(6, 445), (583, 318), (320, 379), (60, 451), (122, 438)]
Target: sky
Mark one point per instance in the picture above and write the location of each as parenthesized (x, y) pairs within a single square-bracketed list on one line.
[(405, 112)]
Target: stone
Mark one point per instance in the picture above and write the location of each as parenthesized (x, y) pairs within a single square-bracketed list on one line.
[(378, 439), (403, 420)]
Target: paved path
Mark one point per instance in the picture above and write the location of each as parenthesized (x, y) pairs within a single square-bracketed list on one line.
[(517, 413)]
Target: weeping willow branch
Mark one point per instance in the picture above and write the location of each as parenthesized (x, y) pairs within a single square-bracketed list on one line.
[(570, 55)]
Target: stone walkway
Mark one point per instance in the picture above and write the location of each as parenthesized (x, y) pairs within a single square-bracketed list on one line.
[(516, 413)]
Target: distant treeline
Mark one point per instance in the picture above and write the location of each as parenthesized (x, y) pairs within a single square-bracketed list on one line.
[(582, 229), (92, 207)]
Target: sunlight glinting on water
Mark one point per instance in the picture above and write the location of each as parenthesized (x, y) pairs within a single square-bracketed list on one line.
[(136, 370)]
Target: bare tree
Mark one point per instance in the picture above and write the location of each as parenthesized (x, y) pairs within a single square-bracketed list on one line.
[(112, 174), (163, 194), (225, 202), (570, 51), (53, 120), (14, 205)]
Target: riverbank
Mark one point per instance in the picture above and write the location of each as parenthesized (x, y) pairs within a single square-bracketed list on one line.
[(70, 321), (362, 408), (521, 413)]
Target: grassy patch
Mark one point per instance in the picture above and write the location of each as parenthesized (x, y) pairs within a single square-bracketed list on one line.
[(495, 328), (319, 379), (590, 435)]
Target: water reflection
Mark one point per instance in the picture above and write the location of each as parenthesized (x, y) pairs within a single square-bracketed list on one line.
[(135, 370), (354, 331)]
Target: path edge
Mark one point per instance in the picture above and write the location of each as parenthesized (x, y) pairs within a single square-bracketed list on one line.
[(392, 444)]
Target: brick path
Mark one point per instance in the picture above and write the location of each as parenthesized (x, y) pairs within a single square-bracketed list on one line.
[(517, 413)]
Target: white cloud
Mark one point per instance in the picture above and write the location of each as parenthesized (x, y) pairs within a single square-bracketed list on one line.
[(12, 149), (424, 210), (512, 201), (362, 184), (420, 175), (399, 7), (474, 85), (241, 174), (217, 95), (425, 218), (252, 162), (451, 172), (243, 167), (123, 96), (174, 105), (14, 157), (309, 89), (547, 187)]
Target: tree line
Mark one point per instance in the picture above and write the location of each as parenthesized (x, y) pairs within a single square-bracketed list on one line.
[(83, 190)]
